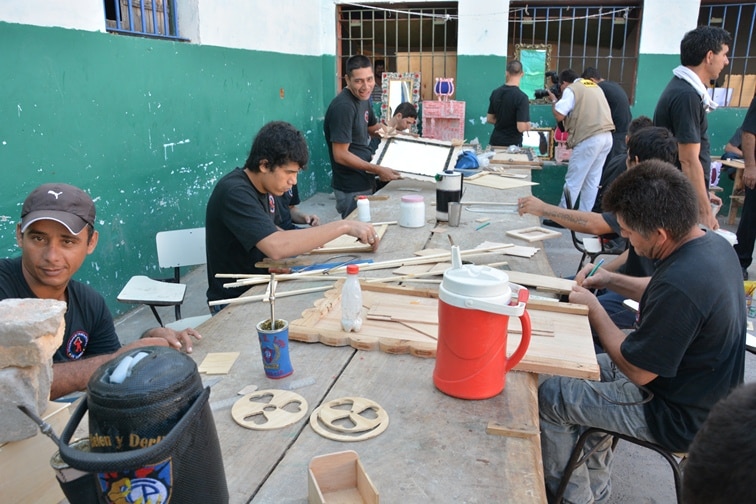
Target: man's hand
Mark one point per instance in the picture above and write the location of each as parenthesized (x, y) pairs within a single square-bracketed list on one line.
[(178, 340), (598, 280), (749, 176), (530, 205), (387, 174), (581, 295), (364, 232)]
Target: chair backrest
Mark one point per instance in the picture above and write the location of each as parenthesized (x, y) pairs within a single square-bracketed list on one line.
[(181, 247)]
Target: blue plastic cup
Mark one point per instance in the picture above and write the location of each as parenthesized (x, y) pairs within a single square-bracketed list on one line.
[(274, 347)]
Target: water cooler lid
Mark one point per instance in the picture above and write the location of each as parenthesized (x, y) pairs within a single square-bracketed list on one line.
[(477, 281)]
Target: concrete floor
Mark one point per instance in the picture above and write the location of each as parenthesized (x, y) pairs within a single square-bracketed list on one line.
[(640, 476)]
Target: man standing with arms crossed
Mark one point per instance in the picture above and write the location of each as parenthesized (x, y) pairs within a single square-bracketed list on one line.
[(346, 128), (508, 109), (683, 106)]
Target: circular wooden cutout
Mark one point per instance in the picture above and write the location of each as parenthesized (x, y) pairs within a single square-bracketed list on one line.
[(269, 409), (362, 419)]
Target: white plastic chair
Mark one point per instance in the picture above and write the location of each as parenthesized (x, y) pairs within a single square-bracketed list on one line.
[(176, 248)]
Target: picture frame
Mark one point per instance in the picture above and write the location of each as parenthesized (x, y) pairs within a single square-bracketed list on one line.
[(541, 140)]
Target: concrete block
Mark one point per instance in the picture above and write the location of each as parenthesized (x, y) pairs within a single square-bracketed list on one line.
[(31, 330)]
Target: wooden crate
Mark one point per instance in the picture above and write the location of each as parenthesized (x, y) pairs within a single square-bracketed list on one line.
[(340, 478)]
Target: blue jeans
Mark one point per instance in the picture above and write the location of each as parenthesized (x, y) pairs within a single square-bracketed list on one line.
[(567, 406)]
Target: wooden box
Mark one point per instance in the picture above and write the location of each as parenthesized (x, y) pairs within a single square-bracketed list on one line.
[(25, 464), (339, 478)]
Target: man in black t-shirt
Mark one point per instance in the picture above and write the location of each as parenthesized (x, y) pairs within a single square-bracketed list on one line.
[(240, 220), (684, 104), (346, 127), (659, 381), (619, 105), (747, 225), (56, 233), (509, 109)]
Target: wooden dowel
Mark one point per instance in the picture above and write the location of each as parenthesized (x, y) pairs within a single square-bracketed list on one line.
[(263, 297)]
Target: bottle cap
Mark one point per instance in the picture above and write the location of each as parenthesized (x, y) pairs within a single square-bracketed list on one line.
[(362, 196), (353, 269)]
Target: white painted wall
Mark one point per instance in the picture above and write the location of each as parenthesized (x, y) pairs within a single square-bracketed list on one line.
[(284, 26), (81, 15), (483, 27), (665, 23)]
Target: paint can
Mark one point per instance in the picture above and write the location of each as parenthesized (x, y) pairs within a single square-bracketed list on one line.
[(448, 189)]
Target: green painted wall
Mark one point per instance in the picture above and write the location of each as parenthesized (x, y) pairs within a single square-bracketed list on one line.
[(146, 126)]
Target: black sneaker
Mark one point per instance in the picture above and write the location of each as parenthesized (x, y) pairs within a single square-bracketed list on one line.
[(551, 223), (745, 273)]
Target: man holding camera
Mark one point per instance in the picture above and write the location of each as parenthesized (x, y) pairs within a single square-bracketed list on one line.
[(588, 120), (508, 109)]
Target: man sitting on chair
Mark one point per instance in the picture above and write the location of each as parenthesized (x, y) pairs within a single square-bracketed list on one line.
[(647, 143), (56, 233), (658, 382)]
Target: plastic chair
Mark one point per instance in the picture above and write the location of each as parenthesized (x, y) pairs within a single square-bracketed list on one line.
[(590, 249), (176, 248), (675, 460)]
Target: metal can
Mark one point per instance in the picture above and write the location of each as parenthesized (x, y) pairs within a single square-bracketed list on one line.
[(412, 211)]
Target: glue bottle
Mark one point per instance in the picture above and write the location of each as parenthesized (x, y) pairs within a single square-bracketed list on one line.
[(363, 208), (351, 300)]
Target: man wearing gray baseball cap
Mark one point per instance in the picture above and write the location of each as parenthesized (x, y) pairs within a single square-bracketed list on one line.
[(55, 234)]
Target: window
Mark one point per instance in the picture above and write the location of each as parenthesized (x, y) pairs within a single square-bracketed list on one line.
[(408, 38), (737, 83), (146, 18), (606, 38)]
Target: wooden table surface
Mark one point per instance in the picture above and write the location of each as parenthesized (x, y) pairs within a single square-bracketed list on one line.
[(436, 448)]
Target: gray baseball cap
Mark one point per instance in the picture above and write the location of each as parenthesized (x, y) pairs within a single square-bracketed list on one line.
[(62, 203)]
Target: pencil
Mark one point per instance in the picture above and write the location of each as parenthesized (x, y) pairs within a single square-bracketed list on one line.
[(595, 268), (482, 226)]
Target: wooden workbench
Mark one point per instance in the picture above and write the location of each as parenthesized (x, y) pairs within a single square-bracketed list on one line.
[(436, 448)]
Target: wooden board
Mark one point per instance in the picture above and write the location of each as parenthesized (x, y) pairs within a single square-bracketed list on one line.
[(497, 182), (347, 243), (541, 282), (568, 353), (534, 233)]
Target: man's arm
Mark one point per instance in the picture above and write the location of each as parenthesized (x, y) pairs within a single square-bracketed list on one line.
[(299, 217), (343, 156), (491, 118), (523, 126), (610, 336), (282, 244), (582, 222), (691, 167), (73, 376), (749, 159)]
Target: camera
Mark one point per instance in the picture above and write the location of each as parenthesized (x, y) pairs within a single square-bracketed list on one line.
[(555, 88)]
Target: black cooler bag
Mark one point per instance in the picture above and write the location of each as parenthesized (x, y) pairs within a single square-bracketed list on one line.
[(151, 432)]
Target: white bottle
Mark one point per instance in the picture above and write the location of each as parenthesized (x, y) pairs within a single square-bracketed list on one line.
[(363, 208), (351, 301)]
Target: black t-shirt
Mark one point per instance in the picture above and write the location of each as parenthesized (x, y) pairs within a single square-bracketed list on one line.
[(749, 123), (619, 104), (346, 122), (89, 325), (691, 333), (613, 169), (681, 111), (635, 265), (510, 106), (283, 215), (237, 218)]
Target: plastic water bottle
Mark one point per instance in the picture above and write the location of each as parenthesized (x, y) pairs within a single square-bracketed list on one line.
[(351, 301), (363, 208)]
